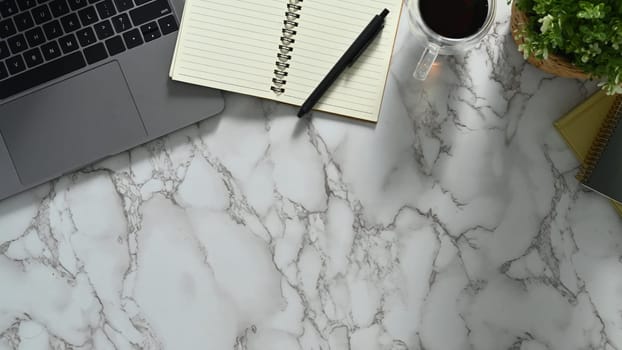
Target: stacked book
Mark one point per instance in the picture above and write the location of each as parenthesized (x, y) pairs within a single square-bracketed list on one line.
[(593, 132)]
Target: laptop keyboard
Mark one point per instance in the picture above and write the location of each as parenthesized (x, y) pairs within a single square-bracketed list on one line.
[(41, 40)]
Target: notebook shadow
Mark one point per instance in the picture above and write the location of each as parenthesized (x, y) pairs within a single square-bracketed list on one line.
[(303, 123)]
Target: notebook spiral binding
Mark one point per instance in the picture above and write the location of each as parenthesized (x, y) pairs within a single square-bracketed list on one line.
[(283, 55), (600, 142)]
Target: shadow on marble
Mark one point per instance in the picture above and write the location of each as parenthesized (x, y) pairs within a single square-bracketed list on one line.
[(346, 121)]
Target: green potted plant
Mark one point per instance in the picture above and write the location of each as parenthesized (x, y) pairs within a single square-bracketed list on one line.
[(580, 39)]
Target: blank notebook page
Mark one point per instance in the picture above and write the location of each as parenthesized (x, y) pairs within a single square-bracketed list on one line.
[(233, 46)]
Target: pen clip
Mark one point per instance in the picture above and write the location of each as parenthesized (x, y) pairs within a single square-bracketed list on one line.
[(358, 54)]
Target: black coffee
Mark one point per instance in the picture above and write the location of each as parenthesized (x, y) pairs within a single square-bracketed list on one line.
[(454, 18)]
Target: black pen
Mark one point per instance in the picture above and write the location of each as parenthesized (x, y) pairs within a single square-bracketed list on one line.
[(356, 49)]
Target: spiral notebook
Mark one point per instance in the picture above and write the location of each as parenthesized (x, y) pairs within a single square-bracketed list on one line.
[(602, 169), (281, 50), (580, 126)]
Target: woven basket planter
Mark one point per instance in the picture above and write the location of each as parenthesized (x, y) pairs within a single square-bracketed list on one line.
[(555, 65)]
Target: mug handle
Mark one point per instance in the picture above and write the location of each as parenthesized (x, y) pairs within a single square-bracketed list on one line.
[(426, 61)]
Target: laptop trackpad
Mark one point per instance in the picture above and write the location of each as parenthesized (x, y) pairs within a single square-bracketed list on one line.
[(46, 136)]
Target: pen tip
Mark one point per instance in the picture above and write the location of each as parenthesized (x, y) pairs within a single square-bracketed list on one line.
[(384, 13)]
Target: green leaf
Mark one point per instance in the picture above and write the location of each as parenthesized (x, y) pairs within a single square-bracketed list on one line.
[(587, 32)]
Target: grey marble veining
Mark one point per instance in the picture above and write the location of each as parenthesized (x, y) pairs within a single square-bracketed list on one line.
[(454, 223)]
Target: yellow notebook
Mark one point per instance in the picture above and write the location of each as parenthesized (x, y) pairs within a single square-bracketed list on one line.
[(580, 126)]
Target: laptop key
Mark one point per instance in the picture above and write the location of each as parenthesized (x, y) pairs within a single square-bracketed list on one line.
[(33, 57), (149, 12), (95, 53), (132, 38), (68, 43), (8, 8), (15, 65), (168, 24), (52, 29), (4, 50), (41, 14), (17, 43), (141, 2), (86, 37), (88, 16), (150, 31), (41, 74), (59, 7), (70, 23), (3, 72), (123, 5), (121, 23), (26, 4), (24, 21), (35, 37), (51, 50), (75, 5), (7, 28), (103, 30), (105, 9), (115, 45)]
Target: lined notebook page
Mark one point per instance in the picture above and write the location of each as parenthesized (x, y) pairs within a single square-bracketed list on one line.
[(233, 44), (326, 29), (229, 45)]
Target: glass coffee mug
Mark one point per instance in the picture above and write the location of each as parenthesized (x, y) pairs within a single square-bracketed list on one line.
[(448, 27)]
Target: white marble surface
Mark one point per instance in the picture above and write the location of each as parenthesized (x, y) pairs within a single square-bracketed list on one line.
[(455, 223)]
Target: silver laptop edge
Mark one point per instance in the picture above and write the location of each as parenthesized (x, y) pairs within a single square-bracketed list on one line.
[(100, 110)]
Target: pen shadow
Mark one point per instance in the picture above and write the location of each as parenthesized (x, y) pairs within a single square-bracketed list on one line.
[(301, 125)]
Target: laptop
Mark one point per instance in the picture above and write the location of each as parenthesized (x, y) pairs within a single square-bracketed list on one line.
[(81, 80)]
